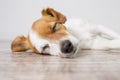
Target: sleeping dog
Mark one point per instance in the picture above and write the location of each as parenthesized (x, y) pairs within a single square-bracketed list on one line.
[(55, 35)]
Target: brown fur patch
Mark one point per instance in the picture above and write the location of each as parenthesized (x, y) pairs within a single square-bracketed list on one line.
[(20, 44), (44, 29)]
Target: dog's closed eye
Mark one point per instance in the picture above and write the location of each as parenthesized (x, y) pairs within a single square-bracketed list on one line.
[(54, 28)]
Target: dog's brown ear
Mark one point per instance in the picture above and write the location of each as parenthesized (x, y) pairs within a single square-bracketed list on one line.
[(19, 44), (54, 14)]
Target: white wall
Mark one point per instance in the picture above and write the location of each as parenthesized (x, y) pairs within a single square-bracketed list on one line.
[(16, 16)]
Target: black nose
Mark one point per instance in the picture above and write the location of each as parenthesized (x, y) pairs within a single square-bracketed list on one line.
[(66, 46)]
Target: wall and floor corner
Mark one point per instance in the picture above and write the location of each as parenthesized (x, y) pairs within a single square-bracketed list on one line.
[(17, 16)]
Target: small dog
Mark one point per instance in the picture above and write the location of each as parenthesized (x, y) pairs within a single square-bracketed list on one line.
[(55, 35)]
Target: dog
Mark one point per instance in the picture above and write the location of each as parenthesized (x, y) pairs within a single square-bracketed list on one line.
[(55, 35)]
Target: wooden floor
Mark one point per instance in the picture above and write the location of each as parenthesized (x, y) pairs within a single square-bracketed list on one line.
[(89, 65)]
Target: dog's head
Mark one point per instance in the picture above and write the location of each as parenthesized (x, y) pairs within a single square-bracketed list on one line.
[(49, 35)]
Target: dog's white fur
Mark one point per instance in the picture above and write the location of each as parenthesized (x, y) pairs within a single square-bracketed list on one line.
[(93, 36), (82, 35)]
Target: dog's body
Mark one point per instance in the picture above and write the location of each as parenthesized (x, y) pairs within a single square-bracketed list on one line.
[(48, 35), (93, 36)]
